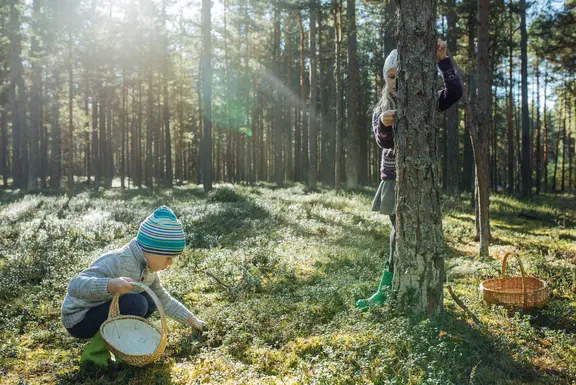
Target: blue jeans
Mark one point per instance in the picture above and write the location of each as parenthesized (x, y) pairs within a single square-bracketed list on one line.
[(140, 305)]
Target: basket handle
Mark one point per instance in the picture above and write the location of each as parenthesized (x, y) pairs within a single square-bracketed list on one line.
[(115, 310), (521, 271)]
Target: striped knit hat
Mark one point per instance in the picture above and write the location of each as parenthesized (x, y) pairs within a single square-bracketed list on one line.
[(161, 233)]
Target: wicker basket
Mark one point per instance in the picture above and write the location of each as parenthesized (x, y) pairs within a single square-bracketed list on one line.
[(519, 292), (134, 339)]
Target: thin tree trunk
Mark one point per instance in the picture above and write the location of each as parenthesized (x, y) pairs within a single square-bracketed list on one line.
[(339, 153), (276, 119), (452, 154), (304, 93), (56, 150), (526, 151), (546, 148), (511, 163), (123, 134), (312, 172), (353, 138), (71, 119), (565, 145), (4, 148), (207, 94), (34, 100), (538, 136), (17, 103)]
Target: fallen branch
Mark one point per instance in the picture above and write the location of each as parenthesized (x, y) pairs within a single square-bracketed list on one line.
[(218, 281), (464, 307)]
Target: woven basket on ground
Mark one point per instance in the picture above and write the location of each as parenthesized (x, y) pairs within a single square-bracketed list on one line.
[(134, 339), (519, 292)]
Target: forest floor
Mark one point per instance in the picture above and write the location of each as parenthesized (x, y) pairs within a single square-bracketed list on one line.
[(291, 265)]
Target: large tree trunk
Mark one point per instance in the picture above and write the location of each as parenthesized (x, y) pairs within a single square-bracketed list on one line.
[(526, 151), (419, 276), (353, 138), (207, 94), (312, 176)]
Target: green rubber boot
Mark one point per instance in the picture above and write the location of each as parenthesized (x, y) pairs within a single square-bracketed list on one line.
[(96, 352), (381, 294)]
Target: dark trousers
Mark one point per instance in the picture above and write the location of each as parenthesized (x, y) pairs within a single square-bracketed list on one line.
[(140, 305), (392, 243)]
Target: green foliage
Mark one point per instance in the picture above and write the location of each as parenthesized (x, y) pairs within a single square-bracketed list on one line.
[(276, 272)]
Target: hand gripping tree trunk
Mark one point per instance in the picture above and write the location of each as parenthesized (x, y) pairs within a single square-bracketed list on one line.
[(419, 271)]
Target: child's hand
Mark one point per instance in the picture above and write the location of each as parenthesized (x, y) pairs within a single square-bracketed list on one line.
[(441, 49), (120, 285), (388, 117), (197, 324)]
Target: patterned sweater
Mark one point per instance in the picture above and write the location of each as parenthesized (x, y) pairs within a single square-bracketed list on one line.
[(384, 135)]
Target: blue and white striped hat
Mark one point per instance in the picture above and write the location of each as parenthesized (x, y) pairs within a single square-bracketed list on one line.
[(161, 233)]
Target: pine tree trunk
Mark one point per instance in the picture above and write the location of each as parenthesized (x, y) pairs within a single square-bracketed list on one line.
[(312, 171), (420, 254), (304, 93), (17, 103), (70, 176), (123, 134), (34, 100), (168, 181), (353, 137), (481, 140), (87, 153), (56, 150), (564, 144), (339, 150), (207, 94), (452, 154), (277, 119), (108, 149), (150, 136), (538, 136), (546, 148), (95, 140), (324, 142), (4, 147), (526, 151), (511, 162)]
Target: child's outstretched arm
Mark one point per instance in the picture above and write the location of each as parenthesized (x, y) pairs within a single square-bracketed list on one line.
[(173, 308), (452, 91)]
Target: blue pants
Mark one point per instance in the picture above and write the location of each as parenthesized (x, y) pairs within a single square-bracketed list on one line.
[(140, 305)]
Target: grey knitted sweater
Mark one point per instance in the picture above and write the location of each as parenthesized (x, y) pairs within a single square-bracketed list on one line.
[(89, 288)]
